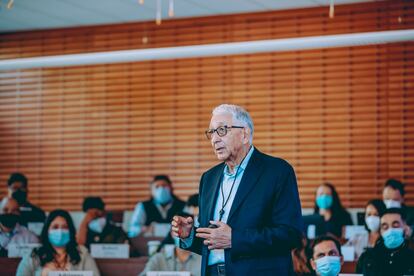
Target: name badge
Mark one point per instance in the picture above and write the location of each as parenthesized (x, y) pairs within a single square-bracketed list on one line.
[(110, 250), (352, 230), (161, 229), (35, 227), (20, 250), (168, 273), (70, 273)]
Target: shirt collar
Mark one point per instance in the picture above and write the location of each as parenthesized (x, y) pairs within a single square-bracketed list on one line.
[(242, 166)]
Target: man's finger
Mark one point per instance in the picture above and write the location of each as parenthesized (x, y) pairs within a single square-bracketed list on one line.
[(203, 236), (204, 230)]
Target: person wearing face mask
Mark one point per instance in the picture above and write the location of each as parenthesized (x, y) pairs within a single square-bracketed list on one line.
[(59, 250), (159, 209), (11, 232), (325, 256), (393, 196), (328, 205), (373, 211), (173, 260), (391, 255), (17, 185), (96, 227)]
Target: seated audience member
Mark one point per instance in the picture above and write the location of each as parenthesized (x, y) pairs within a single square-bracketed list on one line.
[(18, 189), (329, 206), (175, 260), (11, 232), (391, 254), (325, 256), (59, 250), (159, 209), (191, 206), (301, 265), (373, 212), (96, 226), (393, 196)]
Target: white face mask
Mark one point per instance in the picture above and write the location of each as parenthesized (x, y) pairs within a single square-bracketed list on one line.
[(97, 225), (373, 223), (390, 203)]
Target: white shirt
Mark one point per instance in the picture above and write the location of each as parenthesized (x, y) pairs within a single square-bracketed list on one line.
[(139, 217)]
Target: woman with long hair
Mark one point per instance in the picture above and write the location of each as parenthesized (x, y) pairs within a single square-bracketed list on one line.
[(373, 212), (329, 206), (59, 250)]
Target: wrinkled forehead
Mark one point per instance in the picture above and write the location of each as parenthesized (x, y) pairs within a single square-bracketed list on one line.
[(221, 119)]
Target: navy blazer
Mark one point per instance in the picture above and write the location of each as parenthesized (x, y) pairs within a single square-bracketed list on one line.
[(265, 217)]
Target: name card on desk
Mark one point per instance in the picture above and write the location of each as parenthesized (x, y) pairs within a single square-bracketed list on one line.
[(352, 230), (35, 227), (70, 273), (21, 250), (110, 250), (168, 273)]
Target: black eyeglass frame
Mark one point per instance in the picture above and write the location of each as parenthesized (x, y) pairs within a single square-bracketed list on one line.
[(221, 131)]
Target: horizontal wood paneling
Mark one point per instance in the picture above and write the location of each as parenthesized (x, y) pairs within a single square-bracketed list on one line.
[(344, 115)]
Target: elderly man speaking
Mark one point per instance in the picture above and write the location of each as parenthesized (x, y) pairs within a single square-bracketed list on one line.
[(250, 214)]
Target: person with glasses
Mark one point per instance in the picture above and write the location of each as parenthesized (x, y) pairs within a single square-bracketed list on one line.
[(249, 208)]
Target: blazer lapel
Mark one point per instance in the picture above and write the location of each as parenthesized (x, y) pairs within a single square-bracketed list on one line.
[(249, 179), (212, 185)]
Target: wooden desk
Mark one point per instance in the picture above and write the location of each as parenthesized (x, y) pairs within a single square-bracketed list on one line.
[(348, 267), (107, 267)]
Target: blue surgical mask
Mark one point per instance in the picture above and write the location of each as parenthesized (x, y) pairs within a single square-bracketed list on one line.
[(390, 203), (59, 237), (97, 225), (324, 201), (328, 266), (393, 237), (162, 195)]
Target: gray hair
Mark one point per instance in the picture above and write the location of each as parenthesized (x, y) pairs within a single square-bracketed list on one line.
[(239, 114)]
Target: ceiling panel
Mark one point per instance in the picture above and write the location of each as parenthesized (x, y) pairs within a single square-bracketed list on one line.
[(44, 14)]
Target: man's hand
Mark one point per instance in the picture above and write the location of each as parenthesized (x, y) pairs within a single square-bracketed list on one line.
[(181, 226), (216, 238)]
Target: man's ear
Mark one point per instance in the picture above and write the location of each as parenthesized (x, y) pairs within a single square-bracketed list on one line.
[(313, 264), (247, 134), (342, 260)]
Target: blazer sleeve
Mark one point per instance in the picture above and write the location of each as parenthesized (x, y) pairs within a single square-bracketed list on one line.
[(283, 232)]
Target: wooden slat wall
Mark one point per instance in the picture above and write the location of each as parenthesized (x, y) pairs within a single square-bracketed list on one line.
[(343, 115)]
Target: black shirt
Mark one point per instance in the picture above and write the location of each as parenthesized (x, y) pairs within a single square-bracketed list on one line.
[(381, 261)]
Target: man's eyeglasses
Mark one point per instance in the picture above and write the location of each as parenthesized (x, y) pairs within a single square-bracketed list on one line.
[(221, 131)]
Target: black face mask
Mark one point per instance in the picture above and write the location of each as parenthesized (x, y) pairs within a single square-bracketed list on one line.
[(9, 220), (20, 196)]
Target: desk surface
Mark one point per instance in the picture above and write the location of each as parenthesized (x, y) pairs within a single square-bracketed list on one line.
[(107, 267)]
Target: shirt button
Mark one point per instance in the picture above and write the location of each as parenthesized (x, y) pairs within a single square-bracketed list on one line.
[(390, 262)]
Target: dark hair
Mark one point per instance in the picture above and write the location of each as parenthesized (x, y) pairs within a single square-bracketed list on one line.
[(93, 202), (395, 185), (46, 252), (192, 200), (379, 206), (17, 177), (338, 211), (398, 211), (162, 177), (321, 239)]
